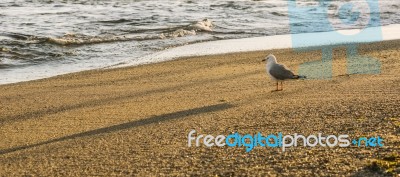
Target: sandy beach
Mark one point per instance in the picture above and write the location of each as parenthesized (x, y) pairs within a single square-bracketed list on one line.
[(135, 120)]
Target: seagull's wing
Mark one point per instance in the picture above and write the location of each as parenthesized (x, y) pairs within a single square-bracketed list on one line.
[(281, 72)]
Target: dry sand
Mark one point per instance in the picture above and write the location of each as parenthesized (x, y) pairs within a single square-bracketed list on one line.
[(135, 120)]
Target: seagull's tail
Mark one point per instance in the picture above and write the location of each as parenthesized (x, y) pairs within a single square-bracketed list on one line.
[(299, 77)]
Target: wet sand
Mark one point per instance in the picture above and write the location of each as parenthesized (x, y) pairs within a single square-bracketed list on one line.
[(135, 120)]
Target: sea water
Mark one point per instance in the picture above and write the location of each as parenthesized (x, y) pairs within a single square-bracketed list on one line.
[(43, 38)]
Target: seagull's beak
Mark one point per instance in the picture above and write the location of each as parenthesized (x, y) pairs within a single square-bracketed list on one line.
[(263, 60)]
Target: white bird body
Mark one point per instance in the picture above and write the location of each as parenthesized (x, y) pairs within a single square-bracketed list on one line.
[(270, 63), (268, 67), (278, 72)]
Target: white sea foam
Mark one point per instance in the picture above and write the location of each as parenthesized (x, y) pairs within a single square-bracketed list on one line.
[(205, 25)]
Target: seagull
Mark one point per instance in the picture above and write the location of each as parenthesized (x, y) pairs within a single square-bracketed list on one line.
[(279, 72)]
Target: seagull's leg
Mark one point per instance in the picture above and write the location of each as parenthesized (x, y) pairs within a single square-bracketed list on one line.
[(277, 85), (281, 85)]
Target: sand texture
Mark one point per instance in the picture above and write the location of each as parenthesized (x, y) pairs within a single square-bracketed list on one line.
[(135, 120)]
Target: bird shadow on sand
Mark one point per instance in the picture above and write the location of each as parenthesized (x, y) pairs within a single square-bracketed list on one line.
[(128, 125)]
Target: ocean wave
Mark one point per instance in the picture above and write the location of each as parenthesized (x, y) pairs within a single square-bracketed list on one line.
[(279, 14), (6, 63), (122, 20), (16, 36), (76, 39), (177, 33), (205, 25)]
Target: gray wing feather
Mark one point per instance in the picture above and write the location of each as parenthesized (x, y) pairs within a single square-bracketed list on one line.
[(281, 72)]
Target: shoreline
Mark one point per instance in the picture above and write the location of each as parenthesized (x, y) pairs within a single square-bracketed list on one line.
[(389, 32), (135, 120)]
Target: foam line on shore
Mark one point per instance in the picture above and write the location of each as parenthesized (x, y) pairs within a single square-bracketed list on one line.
[(390, 32)]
